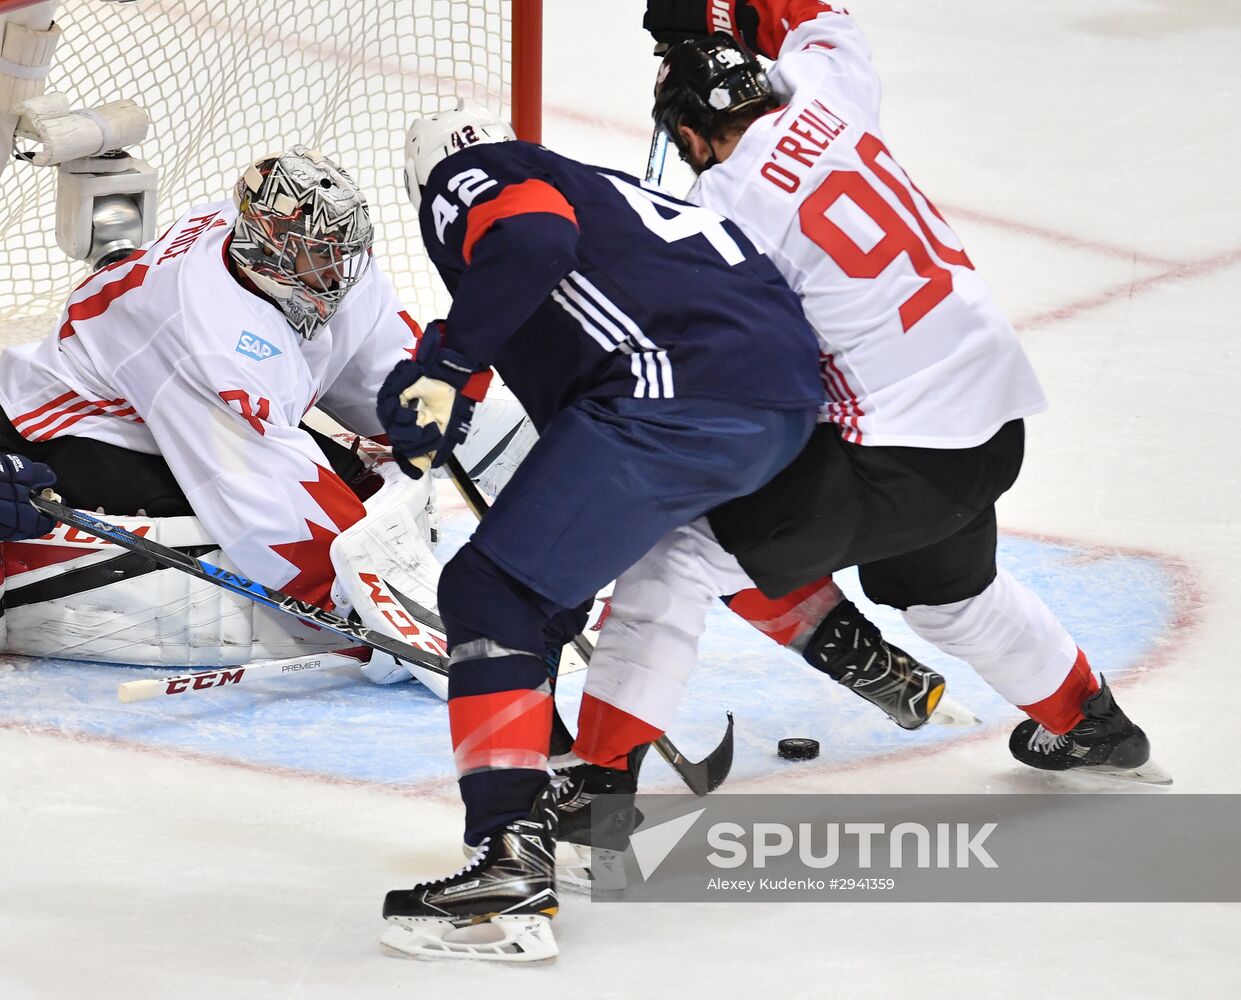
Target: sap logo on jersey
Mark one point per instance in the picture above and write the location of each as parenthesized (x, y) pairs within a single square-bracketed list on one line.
[(256, 347)]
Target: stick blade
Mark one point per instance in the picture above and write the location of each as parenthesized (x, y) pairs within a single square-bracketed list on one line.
[(132, 691), (702, 776), (720, 761)]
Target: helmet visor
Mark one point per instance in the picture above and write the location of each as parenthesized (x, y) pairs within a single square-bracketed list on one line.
[(328, 268)]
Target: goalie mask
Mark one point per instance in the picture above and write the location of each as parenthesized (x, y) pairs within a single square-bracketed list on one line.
[(705, 82), (438, 136), (303, 236)]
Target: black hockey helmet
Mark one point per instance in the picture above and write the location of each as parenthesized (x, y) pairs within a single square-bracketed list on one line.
[(706, 81)]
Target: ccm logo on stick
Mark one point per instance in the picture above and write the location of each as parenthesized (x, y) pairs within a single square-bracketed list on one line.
[(200, 682)]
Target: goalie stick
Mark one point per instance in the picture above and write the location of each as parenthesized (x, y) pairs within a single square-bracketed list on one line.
[(701, 776), (208, 680)]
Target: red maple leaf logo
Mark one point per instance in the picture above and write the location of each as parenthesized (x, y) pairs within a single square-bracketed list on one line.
[(311, 556)]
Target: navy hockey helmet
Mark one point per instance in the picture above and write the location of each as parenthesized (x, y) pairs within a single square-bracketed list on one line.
[(705, 82)]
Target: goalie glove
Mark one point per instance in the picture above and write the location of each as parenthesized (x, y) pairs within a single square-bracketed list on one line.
[(426, 405), (19, 477), (672, 21)]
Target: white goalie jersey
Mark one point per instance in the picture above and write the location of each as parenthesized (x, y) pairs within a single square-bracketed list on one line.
[(166, 353), (915, 352)]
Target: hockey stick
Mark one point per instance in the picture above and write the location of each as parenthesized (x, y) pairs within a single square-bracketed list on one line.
[(207, 680), (657, 157), (700, 776), (309, 614)]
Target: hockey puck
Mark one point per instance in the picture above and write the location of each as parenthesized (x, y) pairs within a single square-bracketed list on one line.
[(798, 749)]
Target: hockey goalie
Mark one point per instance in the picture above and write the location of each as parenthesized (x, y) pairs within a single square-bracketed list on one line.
[(171, 397)]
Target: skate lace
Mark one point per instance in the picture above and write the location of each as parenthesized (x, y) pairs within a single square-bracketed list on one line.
[(480, 855), (1045, 741), (571, 795)]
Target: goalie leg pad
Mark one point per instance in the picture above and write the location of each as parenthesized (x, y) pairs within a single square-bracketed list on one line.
[(387, 573), (74, 596)]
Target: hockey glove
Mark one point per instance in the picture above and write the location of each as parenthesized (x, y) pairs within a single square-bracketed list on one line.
[(426, 404), (19, 477), (672, 21)]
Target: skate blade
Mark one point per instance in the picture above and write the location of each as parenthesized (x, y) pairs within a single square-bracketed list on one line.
[(524, 938), (952, 713), (573, 867), (1149, 773), (1098, 775), (585, 869)]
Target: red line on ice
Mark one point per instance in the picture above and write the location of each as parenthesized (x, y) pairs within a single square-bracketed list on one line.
[(1174, 273), (1189, 601)]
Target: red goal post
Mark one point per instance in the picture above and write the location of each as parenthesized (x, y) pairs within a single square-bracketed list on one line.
[(225, 83), (528, 69)]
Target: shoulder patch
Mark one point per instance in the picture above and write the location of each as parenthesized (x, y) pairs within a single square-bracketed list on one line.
[(256, 347)]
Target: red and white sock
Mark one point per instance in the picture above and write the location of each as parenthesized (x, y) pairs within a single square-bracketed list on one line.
[(789, 620)]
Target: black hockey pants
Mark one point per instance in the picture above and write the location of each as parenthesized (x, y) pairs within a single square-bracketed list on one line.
[(919, 523)]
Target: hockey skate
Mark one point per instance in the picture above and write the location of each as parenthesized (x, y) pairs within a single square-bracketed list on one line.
[(1104, 742), (850, 649), (590, 848), (497, 908)]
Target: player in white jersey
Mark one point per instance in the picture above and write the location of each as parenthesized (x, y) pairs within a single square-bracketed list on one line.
[(177, 379), (927, 385)]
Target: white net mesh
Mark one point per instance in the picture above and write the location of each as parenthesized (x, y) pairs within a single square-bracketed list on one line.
[(225, 83)]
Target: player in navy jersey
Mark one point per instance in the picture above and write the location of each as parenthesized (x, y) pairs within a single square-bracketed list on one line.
[(593, 286), (929, 388), (667, 367)]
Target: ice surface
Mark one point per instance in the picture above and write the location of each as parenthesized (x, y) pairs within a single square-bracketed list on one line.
[(239, 845)]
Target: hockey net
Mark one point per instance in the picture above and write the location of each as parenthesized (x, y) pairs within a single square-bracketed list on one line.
[(225, 83)]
